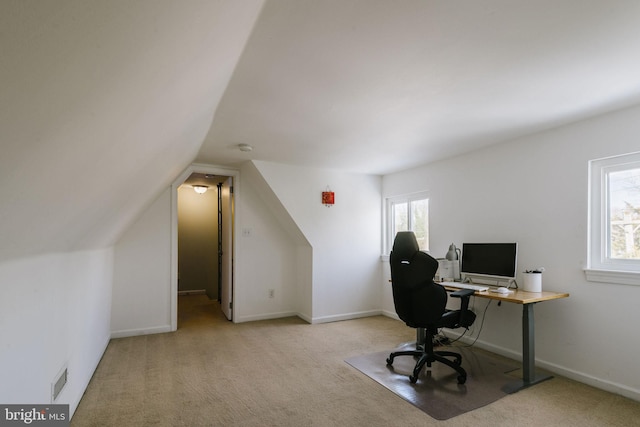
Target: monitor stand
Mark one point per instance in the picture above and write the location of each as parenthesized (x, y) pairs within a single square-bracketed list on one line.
[(510, 283)]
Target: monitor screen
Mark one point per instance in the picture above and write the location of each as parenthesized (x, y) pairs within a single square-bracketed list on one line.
[(490, 259)]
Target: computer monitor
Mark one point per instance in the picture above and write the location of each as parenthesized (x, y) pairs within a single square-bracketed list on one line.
[(490, 260)]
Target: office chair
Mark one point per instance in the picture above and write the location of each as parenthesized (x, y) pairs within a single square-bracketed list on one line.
[(420, 303)]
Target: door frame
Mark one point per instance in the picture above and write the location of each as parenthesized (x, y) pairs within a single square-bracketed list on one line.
[(197, 168), (225, 257)]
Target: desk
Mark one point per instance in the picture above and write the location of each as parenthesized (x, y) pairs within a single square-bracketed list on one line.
[(527, 299)]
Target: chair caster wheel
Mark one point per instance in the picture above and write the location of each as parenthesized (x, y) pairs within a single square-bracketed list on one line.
[(413, 379), (462, 380), (389, 361)]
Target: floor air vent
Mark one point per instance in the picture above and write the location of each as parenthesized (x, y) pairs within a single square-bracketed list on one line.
[(58, 385)]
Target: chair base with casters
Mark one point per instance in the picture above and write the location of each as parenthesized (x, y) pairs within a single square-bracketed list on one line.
[(428, 356)]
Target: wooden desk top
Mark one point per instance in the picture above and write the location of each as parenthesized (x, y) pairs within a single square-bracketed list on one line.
[(519, 296)]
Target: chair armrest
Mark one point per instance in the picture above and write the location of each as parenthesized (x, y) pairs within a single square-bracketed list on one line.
[(464, 295)]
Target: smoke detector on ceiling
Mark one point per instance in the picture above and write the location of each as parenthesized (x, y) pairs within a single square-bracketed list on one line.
[(245, 147)]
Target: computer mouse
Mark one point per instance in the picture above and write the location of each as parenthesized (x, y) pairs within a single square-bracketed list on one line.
[(502, 290)]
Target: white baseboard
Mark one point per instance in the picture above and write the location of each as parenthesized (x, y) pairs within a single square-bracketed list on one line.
[(572, 374), (609, 386), (314, 320), (264, 316), (305, 317), (346, 316), (143, 331), (391, 314), (84, 382)]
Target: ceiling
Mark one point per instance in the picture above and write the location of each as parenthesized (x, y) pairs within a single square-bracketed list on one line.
[(118, 93), (381, 86), (136, 91)]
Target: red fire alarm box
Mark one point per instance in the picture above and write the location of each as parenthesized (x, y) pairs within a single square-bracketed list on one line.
[(328, 198)]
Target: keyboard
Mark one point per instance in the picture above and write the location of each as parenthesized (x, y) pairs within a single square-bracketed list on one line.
[(479, 288)]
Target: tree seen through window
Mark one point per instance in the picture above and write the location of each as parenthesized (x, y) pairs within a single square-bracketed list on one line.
[(624, 214)]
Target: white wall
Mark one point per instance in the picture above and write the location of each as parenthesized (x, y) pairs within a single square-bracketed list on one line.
[(266, 260), (534, 191), (141, 278), (54, 312), (323, 263), (345, 237)]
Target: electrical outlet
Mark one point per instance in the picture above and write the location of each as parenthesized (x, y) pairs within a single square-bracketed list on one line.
[(272, 293)]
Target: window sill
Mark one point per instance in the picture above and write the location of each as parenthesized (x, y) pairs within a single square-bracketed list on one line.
[(610, 276)]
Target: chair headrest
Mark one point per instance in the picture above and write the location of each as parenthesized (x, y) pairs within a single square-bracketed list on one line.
[(405, 245), (406, 250)]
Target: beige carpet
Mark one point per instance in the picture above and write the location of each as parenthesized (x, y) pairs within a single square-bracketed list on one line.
[(286, 372)]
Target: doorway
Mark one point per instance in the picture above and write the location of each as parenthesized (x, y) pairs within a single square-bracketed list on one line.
[(202, 237)]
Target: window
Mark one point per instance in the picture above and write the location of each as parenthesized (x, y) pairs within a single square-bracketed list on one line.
[(408, 213), (614, 217)]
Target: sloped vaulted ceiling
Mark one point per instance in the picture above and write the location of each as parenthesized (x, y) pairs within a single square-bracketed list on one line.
[(103, 103), (378, 86)]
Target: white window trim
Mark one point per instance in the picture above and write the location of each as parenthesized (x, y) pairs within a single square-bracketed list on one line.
[(610, 276), (600, 268), (387, 217)]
